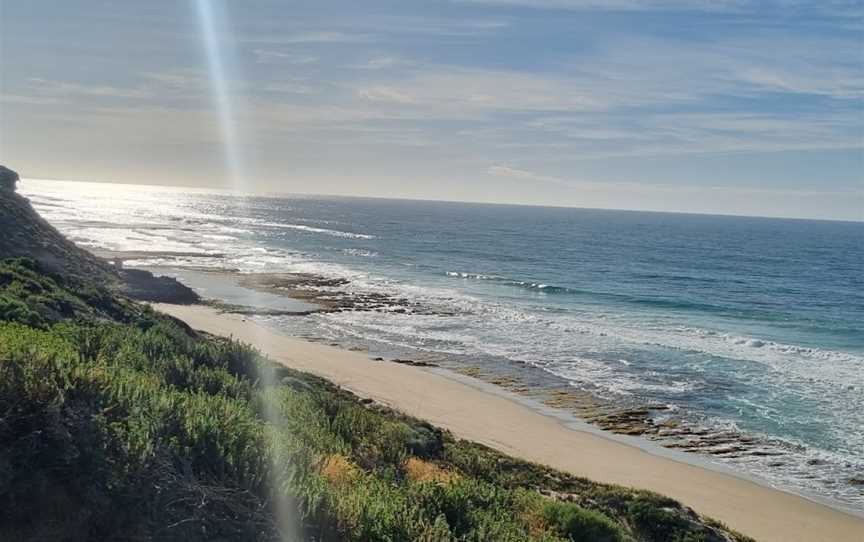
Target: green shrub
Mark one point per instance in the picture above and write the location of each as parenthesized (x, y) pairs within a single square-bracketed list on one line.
[(657, 523), (581, 525)]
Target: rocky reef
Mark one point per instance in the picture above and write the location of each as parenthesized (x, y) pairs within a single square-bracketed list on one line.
[(26, 234), (656, 422), (333, 294)]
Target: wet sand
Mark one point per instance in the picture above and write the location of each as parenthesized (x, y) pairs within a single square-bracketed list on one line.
[(496, 420)]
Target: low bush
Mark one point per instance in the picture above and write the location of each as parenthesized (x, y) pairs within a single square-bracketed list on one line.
[(581, 525)]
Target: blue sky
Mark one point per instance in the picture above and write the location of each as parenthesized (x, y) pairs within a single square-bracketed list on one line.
[(732, 107)]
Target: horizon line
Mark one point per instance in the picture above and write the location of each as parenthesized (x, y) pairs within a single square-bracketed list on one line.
[(276, 193)]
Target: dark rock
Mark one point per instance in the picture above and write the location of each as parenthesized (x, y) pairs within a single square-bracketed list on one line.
[(145, 286), (244, 310), (8, 179), (766, 453), (726, 450), (414, 363), (330, 294)]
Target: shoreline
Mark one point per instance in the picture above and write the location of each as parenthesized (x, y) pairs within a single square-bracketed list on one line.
[(572, 422), (444, 399), (660, 427)]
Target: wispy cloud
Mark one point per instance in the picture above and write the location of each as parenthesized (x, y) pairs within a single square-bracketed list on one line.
[(514, 173), (465, 92), (387, 94), (313, 37), (834, 8), (287, 87), (615, 5), (605, 136), (177, 80), (382, 62), (47, 87), (268, 56), (834, 81), (642, 187), (554, 93)]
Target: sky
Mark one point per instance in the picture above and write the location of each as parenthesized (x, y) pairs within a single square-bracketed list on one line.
[(723, 106)]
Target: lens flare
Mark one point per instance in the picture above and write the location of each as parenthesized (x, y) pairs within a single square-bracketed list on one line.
[(212, 20), (217, 43)]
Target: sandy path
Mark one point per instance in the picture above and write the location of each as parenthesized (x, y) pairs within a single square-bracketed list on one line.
[(513, 428)]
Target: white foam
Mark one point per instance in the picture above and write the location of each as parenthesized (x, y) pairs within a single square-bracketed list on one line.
[(311, 229)]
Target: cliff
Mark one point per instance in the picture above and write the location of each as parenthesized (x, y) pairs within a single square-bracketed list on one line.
[(8, 179), (23, 233)]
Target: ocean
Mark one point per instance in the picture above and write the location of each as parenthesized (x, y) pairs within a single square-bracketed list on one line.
[(741, 326)]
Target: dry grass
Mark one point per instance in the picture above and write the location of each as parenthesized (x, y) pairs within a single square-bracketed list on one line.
[(338, 470), (424, 471)]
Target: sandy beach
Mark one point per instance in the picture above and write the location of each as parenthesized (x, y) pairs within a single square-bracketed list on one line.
[(505, 424)]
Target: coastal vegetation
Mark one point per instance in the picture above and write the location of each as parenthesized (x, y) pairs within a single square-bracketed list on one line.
[(117, 422)]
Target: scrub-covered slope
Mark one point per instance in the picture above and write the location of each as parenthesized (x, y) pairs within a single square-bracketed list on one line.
[(24, 233)]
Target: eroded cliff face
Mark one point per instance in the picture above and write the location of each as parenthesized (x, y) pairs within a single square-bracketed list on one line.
[(23, 233), (8, 179)]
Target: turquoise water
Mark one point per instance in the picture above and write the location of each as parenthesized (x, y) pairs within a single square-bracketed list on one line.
[(748, 324)]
